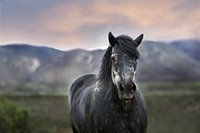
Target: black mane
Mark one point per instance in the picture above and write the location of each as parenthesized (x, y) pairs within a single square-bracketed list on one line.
[(124, 43), (105, 70)]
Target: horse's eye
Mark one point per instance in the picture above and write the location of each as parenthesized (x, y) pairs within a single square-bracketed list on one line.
[(114, 59)]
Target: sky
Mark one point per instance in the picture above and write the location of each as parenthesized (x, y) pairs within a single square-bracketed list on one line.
[(69, 24)]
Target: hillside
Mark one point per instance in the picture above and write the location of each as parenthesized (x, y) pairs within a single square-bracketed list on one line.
[(169, 62), (43, 67)]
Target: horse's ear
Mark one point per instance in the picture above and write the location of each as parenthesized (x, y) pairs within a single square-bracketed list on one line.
[(139, 40), (112, 39)]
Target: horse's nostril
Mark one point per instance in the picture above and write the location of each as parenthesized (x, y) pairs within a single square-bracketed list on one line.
[(133, 88), (121, 88)]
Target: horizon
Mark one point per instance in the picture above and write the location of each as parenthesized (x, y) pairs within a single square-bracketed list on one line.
[(91, 49)]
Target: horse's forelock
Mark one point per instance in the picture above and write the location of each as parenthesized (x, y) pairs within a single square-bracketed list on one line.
[(128, 46)]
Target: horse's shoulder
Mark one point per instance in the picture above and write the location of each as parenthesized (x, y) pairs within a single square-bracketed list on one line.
[(88, 77), (82, 82), (85, 78)]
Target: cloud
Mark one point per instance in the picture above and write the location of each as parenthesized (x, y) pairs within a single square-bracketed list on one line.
[(68, 24)]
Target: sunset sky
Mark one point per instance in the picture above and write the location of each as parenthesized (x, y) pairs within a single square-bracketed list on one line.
[(68, 24)]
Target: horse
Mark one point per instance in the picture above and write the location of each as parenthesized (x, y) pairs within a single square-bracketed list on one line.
[(110, 102)]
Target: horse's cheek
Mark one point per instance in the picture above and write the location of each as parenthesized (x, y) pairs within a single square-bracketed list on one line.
[(115, 78)]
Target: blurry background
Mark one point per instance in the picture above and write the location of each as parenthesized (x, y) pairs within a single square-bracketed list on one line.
[(45, 45)]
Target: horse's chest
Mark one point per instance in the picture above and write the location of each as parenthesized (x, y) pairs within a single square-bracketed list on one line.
[(114, 121)]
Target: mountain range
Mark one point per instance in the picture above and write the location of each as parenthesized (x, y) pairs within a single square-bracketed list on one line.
[(23, 64)]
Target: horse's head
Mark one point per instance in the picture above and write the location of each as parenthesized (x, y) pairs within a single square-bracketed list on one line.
[(124, 61)]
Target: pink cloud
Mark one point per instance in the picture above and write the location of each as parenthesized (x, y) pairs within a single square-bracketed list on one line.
[(86, 23)]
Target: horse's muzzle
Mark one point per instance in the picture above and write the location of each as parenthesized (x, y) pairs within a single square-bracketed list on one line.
[(127, 92), (127, 97)]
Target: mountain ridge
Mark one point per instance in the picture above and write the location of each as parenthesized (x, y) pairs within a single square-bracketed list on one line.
[(27, 64)]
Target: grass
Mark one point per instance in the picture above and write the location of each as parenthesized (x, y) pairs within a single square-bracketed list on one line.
[(174, 112), (173, 87), (33, 89), (48, 114)]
